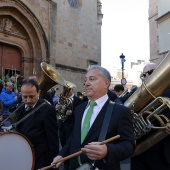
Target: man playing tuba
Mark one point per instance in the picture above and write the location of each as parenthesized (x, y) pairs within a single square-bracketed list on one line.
[(158, 156)]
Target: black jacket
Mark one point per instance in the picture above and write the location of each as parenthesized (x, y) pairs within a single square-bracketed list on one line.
[(120, 123), (41, 129)]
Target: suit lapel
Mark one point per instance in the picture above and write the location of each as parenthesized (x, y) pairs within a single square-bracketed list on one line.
[(28, 121)]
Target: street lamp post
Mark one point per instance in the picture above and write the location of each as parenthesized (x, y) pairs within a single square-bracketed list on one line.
[(122, 58)]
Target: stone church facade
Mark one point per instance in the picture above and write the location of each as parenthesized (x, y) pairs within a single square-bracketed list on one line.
[(65, 34)]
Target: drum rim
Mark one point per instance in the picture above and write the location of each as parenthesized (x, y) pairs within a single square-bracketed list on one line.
[(29, 142)]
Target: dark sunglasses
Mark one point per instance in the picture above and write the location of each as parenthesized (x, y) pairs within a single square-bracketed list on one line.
[(149, 72)]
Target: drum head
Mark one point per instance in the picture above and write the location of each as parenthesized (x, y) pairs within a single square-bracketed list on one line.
[(15, 152)]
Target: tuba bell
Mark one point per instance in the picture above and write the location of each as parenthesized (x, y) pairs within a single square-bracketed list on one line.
[(146, 106), (49, 78)]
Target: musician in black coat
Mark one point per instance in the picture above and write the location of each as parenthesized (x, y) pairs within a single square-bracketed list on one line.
[(41, 127), (158, 156), (107, 156), (66, 127)]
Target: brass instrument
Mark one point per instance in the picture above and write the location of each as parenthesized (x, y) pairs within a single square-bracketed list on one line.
[(123, 93), (80, 94), (66, 103), (49, 78), (146, 106)]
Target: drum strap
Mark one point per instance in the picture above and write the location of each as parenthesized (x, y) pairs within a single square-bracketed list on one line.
[(10, 116), (28, 115), (106, 121), (105, 124)]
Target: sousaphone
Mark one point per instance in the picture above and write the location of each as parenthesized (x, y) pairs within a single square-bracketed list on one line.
[(147, 105)]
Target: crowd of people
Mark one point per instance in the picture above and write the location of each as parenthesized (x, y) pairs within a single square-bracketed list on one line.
[(82, 130)]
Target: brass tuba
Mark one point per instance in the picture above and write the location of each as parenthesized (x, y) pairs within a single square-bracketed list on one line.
[(146, 107), (49, 78)]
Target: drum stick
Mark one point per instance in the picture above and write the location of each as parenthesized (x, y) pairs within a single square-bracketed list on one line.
[(79, 152)]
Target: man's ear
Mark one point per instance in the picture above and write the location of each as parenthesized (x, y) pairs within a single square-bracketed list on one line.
[(39, 92), (107, 83)]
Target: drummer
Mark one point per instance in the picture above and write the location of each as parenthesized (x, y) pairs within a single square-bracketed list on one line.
[(41, 126)]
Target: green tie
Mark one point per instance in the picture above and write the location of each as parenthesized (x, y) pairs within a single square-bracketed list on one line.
[(28, 108), (86, 122)]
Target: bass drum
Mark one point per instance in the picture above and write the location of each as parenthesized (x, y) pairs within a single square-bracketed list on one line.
[(16, 152)]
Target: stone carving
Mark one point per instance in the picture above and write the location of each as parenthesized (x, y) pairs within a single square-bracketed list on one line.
[(1, 24), (7, 24), (11, 27)]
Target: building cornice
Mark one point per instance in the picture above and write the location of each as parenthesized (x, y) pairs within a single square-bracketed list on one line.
[(162, 17)]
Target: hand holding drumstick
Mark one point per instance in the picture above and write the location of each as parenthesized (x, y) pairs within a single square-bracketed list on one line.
[(60, 159)]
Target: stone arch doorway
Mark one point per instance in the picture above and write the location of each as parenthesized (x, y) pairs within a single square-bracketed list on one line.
[(10, 60), (20, 29)]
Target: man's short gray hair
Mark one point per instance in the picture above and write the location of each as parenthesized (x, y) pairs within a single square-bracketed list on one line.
[(104, 72)]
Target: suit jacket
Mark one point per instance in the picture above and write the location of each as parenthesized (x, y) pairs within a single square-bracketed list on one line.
[(41, 129), (76, 101), (166, 141), (112, 95), (120, 123), (66, 127), (48, 96)]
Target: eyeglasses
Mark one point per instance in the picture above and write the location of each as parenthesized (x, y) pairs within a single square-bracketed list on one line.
[(149, 72)]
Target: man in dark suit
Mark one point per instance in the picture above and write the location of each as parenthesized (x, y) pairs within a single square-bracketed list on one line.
[(158, 156), (40, 127), (106, 156), (66, 127)]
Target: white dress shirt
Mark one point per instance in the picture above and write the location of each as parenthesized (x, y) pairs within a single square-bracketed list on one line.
[(99, 104)]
